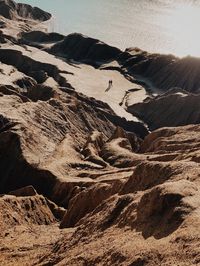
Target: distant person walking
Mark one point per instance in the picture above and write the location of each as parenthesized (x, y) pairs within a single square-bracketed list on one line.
[(110, 84)]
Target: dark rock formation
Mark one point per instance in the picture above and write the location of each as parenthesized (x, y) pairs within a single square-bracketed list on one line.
[(174, 108), (11, 10), (39, 38), (24, 192), (82, 48), (164, 71), (130, 126)]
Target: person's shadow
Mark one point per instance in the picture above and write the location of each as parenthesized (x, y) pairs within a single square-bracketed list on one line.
[(109, 85)]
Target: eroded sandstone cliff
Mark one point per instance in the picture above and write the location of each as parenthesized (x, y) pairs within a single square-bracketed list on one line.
[(79, 184)]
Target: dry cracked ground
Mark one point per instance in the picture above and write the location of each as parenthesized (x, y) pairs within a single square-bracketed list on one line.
[(82, 180)]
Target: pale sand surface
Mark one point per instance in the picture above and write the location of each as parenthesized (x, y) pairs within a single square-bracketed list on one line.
[(91, 81)]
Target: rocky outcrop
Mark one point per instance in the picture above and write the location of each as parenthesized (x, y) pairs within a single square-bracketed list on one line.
[(173, 141), (174, 108), (35, 69), (164, 71), (156, 209), (11, 10), (82, 48), (19, 155), (39, 38), (86, 201), (29, 210)]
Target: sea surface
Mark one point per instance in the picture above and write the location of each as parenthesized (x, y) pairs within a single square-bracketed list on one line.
[(163, 26)]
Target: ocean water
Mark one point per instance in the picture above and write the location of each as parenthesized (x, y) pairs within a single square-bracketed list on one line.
[(163, 26)]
